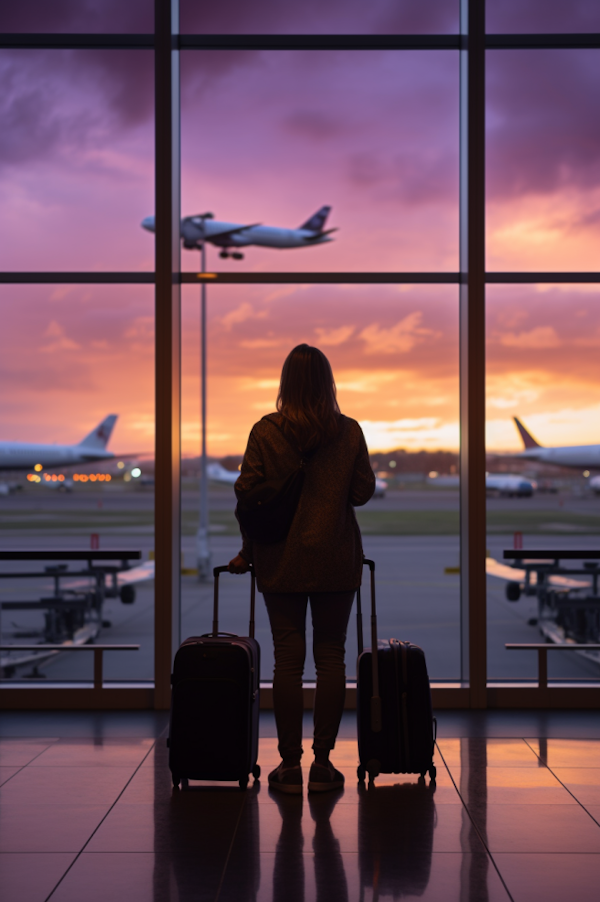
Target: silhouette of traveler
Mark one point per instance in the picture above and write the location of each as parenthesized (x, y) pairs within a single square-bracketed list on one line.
[(319, 560)]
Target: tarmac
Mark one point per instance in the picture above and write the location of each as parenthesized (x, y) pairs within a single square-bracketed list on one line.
[(416, 599)]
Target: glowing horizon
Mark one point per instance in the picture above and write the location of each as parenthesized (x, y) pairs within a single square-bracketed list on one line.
[(270, 137)]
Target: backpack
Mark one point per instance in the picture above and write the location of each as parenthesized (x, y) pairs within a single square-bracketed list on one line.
[(265, 513)]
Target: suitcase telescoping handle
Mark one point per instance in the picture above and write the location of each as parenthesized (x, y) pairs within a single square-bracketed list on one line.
[(216, 573), (376, 722)]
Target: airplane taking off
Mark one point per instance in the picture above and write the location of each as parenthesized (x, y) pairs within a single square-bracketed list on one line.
[(564, 456), (226, 235), (25, 456)]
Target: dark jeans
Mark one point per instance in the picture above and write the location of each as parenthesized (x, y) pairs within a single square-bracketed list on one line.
[(287, 614)]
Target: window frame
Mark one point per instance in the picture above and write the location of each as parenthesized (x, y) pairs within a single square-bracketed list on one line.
[(472, 43)]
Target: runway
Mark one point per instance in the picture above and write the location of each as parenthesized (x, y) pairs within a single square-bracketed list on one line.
[(417, 600)]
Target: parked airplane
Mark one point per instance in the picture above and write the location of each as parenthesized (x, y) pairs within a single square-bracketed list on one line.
[(564, 456), (508, 486), (226, 235), (218, 473), (26, 456)]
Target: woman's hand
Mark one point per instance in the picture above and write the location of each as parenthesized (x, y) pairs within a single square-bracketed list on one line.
[(238, 564)]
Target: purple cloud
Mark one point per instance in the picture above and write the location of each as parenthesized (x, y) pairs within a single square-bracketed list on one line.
[(543, 127)]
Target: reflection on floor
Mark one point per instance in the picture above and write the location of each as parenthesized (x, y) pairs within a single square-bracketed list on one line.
[(95, 818)]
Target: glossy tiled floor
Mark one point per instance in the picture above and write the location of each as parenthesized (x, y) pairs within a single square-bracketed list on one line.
[(84, 820)]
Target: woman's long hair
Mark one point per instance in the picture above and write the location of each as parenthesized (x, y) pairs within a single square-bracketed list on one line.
[(307, 397)]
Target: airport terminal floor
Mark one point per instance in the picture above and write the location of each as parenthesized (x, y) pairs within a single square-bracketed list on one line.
[(88, 813)]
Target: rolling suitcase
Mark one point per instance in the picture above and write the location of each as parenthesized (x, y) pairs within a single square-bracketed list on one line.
[(396, 727), (213, 731)]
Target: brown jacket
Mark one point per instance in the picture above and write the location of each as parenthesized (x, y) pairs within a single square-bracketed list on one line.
[(323, 549)]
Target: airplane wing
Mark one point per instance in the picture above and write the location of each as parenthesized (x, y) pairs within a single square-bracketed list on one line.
[(230, 232), (139, 574), (515, 574)]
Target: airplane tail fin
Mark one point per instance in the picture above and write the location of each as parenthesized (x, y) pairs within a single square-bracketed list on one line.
[(317, 220), (98, 437), (528, 440)]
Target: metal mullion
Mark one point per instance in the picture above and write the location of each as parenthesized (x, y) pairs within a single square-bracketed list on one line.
[(77, 278), (472, 351), (320, 278), (542, 41), (97, 41), (319, 42), (528, 278), (167, 505), (282, 278), (76, 41)]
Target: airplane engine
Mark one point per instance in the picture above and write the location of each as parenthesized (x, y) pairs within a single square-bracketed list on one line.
[(513, 591), (127, 594)]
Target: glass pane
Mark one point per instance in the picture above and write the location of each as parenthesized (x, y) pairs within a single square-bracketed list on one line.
[(543, 369), (545, 16), (321, 17), (68, 16), (543, 179), (269, 138), (394, 353), (76, 159), (73, 357)]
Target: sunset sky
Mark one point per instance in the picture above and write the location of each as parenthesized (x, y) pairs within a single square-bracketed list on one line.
[(270, 137)]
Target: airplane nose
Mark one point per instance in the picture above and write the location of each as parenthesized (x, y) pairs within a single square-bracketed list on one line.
[(148, 223)]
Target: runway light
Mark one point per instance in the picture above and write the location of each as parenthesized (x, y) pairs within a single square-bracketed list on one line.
[(120, 465), (38, 467), (108, 477), (61, 478), (392, 464), (586, 473), (434, 474), (54, 477), (47, 477), (136, 472)]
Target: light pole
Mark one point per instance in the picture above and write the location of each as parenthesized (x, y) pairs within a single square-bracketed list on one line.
[(203, 555)]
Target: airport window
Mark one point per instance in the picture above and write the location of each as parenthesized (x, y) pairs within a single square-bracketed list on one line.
[(394, 353), (383, 106), (542, 407), (371, 135), (77, 159), (541, 164), (67, 352)]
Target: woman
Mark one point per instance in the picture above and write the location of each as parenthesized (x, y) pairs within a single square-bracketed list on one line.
[(320, 560)]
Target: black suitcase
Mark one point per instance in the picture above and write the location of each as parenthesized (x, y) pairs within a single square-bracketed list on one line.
[(396, 727), (215, 700)]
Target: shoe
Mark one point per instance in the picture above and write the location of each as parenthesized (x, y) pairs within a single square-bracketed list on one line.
[(322, 779), (286, 779)]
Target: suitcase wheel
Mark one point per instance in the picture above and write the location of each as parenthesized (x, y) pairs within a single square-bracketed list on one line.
[(361, 773), (176, 780), (243, 783), (432, 773), (256, 771)]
